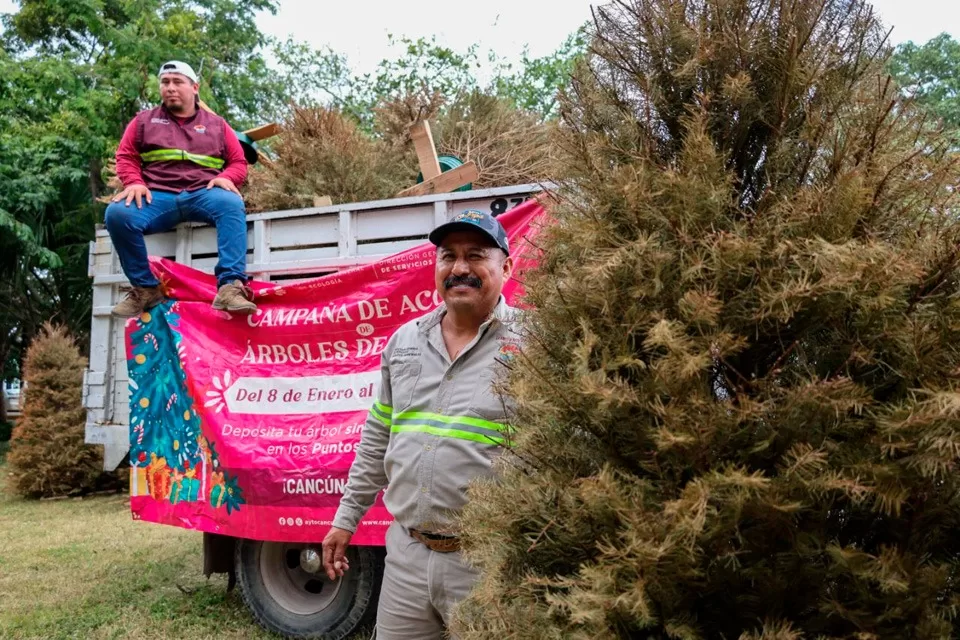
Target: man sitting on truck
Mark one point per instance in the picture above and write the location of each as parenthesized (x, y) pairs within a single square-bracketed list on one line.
[(437, 424), (179, 163)]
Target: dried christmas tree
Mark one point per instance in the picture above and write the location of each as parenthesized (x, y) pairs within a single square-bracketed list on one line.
[(321, 152), (48, 456), (738, 407), (509, 145)]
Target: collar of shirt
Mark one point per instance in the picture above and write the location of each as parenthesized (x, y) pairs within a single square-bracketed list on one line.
[(179, 119), (430, 330)]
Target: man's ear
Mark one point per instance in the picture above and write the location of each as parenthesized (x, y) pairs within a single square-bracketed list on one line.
[(507, 267)]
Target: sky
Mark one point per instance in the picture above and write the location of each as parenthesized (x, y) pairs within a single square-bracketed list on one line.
[(360, 28)]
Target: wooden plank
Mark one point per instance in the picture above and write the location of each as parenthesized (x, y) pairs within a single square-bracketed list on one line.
[(261, 241), (263, 159), (445, 182), (347, 242), (204, 240), (441, 212), (388, 248), (426, 151), (203, 105), (263, 131), (322, 201), (390, 225), (91, 260), (295, 255), (296, 232), (185, 237), (162, 244), (206, 265)]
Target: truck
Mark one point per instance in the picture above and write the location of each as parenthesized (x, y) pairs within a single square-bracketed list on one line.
[(281, 581), (11, 398)]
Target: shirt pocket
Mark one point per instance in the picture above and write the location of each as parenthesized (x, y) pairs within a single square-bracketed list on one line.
[(403, 383), (487, 402)]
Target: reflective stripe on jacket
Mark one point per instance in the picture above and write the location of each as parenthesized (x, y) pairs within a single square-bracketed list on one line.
[(163, 155), (436, 424)]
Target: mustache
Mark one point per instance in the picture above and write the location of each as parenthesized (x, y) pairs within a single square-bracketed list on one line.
[(470, 281)]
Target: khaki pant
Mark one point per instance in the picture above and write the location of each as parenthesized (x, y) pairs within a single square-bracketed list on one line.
[(419, 589)]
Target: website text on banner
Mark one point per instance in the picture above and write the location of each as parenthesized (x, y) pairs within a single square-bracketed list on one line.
[(246, 425)]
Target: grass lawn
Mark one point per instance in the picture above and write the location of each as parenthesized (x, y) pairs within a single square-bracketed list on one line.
[(82, 568)]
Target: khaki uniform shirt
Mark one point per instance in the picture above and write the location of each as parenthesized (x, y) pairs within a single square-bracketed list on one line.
[(436, 424)]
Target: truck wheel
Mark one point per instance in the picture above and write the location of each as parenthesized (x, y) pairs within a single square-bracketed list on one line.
[(288, 593)]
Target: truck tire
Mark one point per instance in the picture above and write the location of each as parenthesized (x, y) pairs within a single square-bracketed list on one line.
[(286, 599)]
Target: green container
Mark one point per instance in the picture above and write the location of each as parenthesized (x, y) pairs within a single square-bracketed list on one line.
[(249, 147), (446, 164)]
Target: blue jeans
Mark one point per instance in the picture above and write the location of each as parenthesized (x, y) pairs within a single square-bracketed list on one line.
[(223, 209)]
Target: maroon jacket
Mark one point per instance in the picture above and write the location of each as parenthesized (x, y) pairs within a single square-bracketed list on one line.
[(202, 134)]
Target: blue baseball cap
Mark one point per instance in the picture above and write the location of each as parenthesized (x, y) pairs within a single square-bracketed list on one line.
[(473, 220)]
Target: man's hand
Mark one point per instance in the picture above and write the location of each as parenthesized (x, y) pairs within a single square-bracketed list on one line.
[(334, 552), (223, 183), (138, 192)]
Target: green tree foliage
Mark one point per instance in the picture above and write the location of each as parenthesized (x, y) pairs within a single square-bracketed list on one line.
[(425, 68), (737, 404), (931, 72), (533, 84), (313, 77), (114, 48), (47, 455)]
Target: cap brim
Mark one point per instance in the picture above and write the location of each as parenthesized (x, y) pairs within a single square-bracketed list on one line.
[(437, 235)]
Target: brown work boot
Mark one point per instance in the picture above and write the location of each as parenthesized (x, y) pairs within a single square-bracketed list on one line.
[(234, 296), (138, 300)]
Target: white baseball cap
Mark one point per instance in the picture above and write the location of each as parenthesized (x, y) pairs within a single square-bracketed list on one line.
[(175, 66)]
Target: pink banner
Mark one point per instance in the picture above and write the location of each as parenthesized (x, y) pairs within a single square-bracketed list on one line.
[(246, 426)]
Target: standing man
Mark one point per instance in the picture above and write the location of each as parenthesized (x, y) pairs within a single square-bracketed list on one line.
[(179, 163), (437, 424)]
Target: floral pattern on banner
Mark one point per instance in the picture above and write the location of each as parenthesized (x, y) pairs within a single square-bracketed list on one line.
[(171, 460)]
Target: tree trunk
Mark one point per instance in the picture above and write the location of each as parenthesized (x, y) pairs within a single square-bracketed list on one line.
[(4, 350)]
